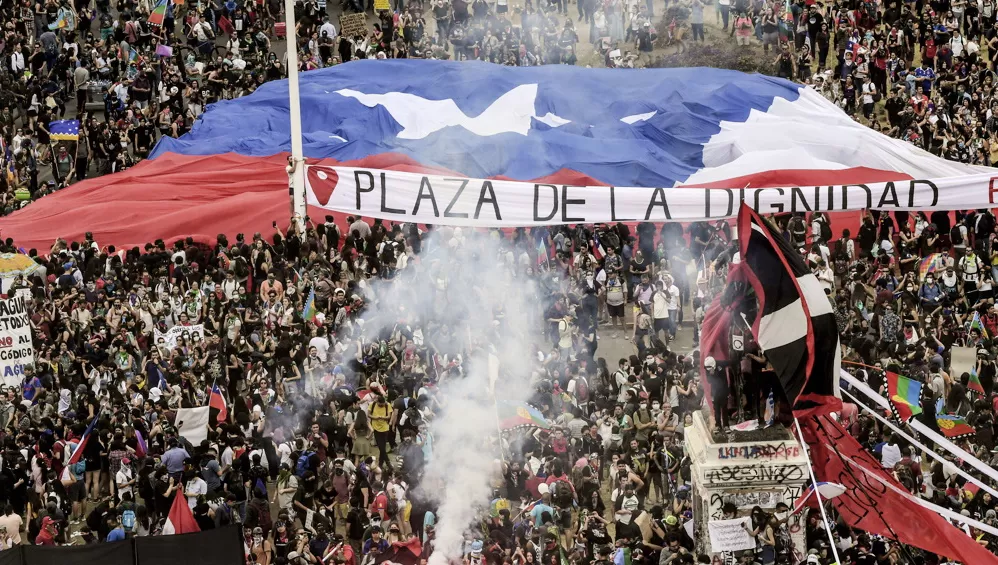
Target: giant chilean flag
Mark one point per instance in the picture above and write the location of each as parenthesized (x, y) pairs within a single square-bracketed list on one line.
[(559, 124)]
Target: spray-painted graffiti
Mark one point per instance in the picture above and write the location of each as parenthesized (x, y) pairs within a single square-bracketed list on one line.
[(782, 451), (760, 473)]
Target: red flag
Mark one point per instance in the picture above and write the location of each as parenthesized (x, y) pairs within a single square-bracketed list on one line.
[(875, 502), (181, 519)]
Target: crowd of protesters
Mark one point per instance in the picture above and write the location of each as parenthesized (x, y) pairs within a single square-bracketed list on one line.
[(917, 71), (329, 419)]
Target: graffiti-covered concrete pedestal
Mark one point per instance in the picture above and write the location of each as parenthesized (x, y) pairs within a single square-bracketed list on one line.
[(747, 473)]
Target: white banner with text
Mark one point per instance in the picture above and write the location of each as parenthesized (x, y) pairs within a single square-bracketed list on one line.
[(436, 199)]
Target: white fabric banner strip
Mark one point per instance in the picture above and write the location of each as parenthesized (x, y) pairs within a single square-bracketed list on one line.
[(437, 199), (921, 428), (921, 446)]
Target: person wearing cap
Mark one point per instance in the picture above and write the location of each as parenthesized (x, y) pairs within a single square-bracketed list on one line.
[(376, 544), (124, 479), (47, 533)]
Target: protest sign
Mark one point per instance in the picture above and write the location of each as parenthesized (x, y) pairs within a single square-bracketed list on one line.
[(352, 25), (729, 535), (168, 338), (438, 199), (192, 424), (964, 360), (381, 5), (16, 348)]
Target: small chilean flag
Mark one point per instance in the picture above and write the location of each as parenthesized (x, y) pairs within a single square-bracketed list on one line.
[(78, 453), (181, 519), (216, 400)]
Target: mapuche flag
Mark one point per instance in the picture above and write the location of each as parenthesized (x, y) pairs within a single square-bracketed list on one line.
[(905, 395), (795, 324)]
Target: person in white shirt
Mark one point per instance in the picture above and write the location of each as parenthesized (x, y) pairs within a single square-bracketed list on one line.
[(890, 453), (328, 29), (825, 276), (195, 487), (673, 291), (321, 344), (17, 61), (124, 479)]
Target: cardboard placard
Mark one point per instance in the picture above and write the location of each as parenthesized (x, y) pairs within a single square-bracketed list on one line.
[(353, 24)]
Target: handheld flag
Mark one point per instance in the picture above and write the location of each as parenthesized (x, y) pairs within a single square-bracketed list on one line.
[(516, 414), (308, 313), (181, 519), (141, 449), (65, 130), (598, 250), (905, 396), (954, 427), (216, 400), (158, 14), (78, 453), (542, 252), (930, 264), (974, 384), (827, 491), (977, 324)]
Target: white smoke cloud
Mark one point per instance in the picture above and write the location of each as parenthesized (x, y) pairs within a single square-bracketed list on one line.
[(469, 293)]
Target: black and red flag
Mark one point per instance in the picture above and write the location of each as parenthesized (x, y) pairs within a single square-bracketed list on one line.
[(795, 324)]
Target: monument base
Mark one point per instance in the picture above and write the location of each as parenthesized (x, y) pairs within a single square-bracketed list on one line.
[(746, 473)]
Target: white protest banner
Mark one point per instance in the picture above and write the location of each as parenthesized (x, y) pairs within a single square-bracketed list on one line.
[(168, 338), (192, 424), (16, 349), (730, 535), (964, 360), (436, 199)]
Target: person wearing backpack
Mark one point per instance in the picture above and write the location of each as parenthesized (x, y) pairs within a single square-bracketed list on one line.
[(821, 228), (798, 230)]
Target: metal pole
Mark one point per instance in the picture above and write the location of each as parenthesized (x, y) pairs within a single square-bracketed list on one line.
[(297, 176), (817, 494)]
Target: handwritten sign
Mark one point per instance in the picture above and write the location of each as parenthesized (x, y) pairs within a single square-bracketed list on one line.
[(353, 24), (381, 5), (729, 535), (16, 348), (189, 333)]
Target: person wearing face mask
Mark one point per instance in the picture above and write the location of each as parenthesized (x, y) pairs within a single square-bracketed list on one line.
[(643, 420), (930, 295)]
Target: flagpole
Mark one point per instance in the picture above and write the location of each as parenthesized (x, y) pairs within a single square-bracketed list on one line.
[(817, 493), (297, 165)]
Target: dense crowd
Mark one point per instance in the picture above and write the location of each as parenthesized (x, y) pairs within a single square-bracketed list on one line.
[(330, 419), (329, 425), (919, 71)]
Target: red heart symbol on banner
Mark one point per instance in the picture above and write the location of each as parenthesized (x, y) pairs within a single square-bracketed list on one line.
[(322, 181)]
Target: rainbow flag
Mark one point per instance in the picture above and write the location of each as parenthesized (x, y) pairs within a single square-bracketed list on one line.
[(977, 324), (308, 313), (930, 264), (905, 395), (974, 384), (953, 426), (158, 14), (519, 414)]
